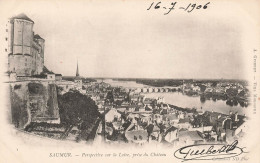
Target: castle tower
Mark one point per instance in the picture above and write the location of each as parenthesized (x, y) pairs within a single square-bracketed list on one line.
[(25, 52), (39, 54)]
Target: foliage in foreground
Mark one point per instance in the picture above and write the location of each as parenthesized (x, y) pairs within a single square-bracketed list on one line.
[(77, 109)]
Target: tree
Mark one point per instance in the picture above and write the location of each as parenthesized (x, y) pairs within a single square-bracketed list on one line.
[(202, 99), (230, 102), (202, 88), (232, 92), (242, 93), (110, 96), (128, 98), (77, 108)]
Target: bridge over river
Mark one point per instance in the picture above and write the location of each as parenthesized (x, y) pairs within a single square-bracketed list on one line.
[(140, 88), (152, 89)]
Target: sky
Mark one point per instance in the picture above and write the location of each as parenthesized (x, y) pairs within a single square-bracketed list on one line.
[(124, 39)]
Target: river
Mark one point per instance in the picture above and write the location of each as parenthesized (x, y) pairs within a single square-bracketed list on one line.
[(184, 101)]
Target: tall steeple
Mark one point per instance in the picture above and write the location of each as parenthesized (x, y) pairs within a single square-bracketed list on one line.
[(77, 72)]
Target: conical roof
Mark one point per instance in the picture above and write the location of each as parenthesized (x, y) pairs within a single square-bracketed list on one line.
[(22, 16), (38, 37)]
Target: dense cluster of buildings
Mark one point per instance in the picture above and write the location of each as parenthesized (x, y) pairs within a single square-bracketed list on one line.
[(133, 118)]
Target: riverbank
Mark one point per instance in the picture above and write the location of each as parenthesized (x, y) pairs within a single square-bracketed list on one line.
[(184, 101), (195, 111)]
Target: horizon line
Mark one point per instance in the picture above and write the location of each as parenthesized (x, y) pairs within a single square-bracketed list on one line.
[(157, 78)]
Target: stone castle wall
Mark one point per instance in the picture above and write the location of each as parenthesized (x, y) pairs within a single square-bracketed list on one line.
[(33, 101), (24, 68)]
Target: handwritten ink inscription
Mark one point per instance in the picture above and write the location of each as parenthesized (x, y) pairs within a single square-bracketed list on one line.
[(208, 151), (174, 5)]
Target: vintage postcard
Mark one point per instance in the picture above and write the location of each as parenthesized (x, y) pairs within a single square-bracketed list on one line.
[(130, 81)]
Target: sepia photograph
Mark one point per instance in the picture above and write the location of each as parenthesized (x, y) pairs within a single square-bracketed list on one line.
[(130, 81)]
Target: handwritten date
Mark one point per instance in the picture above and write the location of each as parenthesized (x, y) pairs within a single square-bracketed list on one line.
[(189, 8)]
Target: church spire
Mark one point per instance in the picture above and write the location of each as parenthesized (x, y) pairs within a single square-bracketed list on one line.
[(77, 72)]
